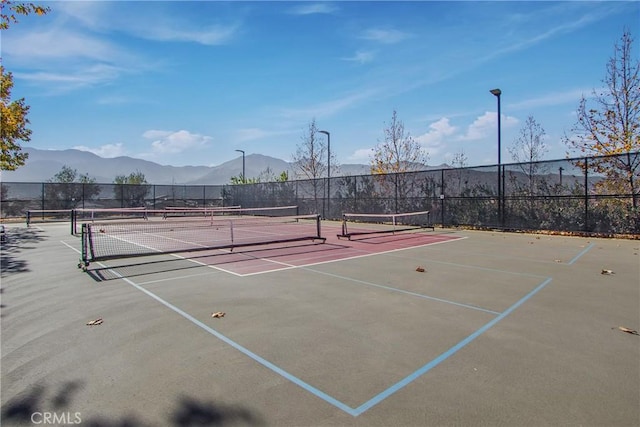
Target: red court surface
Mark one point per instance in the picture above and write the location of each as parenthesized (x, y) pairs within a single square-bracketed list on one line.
[(269, 258)]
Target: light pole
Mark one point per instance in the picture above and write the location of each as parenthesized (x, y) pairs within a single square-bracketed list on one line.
[(328, 170), (243, 175), (497, 93)]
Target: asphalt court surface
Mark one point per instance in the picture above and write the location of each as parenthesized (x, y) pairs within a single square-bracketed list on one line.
[(499, 329)]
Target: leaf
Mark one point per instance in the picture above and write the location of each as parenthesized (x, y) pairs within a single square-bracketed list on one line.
[(95, 322), (218, 314)]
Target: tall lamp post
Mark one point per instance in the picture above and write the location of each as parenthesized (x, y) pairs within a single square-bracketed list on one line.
[(497, 93), (328, 170), (243, 170)]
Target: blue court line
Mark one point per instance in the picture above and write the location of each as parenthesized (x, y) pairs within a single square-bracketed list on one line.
[(402, 291), (584, 251), (444, 356), (311, 389), (474, 267), (317, 392)]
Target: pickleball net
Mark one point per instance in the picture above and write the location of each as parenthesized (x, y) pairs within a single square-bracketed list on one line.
[(361, 224), (78, 216), (112, 240)]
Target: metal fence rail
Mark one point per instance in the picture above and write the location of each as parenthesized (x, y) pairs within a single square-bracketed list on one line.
[(589, 194)]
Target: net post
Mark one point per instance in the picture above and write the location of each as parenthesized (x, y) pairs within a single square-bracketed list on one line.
[(28, 218), (318, 226), (344, 225), (73, 222), (84, 238)]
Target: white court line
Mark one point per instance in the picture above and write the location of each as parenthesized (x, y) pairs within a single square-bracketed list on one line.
[(287, 266), (356, 256)]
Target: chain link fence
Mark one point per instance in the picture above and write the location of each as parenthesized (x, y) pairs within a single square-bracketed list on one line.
[(590, 194)]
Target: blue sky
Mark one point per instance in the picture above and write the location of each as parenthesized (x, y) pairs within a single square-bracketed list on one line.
[(188, 83)]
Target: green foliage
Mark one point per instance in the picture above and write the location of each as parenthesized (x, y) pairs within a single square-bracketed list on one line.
[(238, 180), (13, 125), (9, 11), (135, 178), (131, 190), (13, 114), (68, 189)]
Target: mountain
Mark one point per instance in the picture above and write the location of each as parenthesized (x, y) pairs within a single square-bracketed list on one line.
[(255, 165), (42, 165)]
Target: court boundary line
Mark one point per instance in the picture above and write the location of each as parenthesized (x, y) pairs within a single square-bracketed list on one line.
[(367, 254), (389, 391), (584, 251), (403, 291), (312, 389)]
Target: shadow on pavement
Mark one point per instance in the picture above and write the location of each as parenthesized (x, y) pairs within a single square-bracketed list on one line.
[(17, 240), (40, 401)]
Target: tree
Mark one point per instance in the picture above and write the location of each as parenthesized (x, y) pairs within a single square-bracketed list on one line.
[(398, 154), (310, 159), (530, 145), (9, 11), (13, 125), (528, 149), (609, 123), (13, 115), (67, 189), (238, 180), (131, 190)]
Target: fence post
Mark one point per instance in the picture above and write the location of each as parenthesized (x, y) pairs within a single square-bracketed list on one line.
[(395, 179), (442, 197), (42, 194), (355, 194), (586, 194)]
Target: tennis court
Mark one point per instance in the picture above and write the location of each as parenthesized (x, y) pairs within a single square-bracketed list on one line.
[(420, 327)]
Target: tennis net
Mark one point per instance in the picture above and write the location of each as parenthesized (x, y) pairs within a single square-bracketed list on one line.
[(111, 240), (355, 224)]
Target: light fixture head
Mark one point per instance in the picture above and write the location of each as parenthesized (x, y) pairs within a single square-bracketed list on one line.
[(496, 92)]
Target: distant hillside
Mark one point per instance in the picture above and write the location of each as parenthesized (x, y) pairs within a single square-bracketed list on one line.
[(42, 165)]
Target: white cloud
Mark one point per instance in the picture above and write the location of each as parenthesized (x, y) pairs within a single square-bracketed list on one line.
[(361, 155), (60, 44), (486, 124), (214, 35), (435, 139), (175, 142), (313, 8), (143, 21), (58, 82), (107, 150), (552, 99), (251, 134), (361, 56), (384, 36), (329, 108)]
